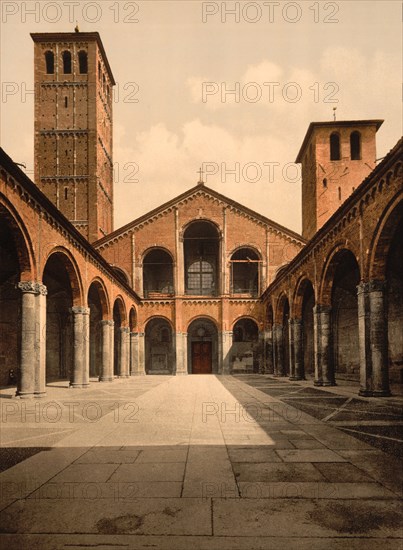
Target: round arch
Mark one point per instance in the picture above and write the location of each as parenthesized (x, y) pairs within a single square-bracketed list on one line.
[(281, 301), (326, 280), (155, 248), (202, 338), (214, 224), (67, 259), (99, 286), (23, 243), (159, 348), (157, 272), (120, 309), (202, 258), (247, 246), (207, 317), (383, 237), (162, 317), (303, 284), (132, 319)]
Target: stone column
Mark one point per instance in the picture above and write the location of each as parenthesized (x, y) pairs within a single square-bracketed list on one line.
[(137, 365), (81, 349), (124, 352), (364, 340), (181, 353), (291, 350), (297, 352), (278, 349), (179, 264), (141, 365), (107, 352), (378, 339), (226, 344), (268, 346), (324, 374), (33, 341)]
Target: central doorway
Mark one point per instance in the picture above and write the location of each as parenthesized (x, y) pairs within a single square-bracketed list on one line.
[(201, 358), (202, 347)]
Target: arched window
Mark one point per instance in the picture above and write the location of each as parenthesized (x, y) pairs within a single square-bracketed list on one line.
[(201, 277), (325, 182), (334, 146), (99, 71), (66, 62), (83, 62), (50, 62), (355, 146), (201, 248), (158, 274), (245, 272)]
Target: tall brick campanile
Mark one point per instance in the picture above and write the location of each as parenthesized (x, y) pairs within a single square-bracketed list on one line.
[(73, 128), (336, 157)]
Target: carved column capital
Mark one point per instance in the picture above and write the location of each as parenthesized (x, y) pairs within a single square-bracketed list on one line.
[(31, 287), (106, 322), (80, 310)]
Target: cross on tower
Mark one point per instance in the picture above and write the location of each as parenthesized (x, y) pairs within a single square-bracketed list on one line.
[(200, 172)]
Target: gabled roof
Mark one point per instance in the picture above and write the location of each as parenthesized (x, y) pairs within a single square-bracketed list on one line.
[(194, 191)]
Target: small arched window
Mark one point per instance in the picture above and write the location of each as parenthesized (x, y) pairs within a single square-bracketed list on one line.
[(334, 146), (99, 71), (355, 146), (83, 62), (50, 62), (66, 62), (66, 101), (325, 183), (339, 193), (65, 193)]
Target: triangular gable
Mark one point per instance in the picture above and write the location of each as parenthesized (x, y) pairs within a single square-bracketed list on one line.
[(194, 192)]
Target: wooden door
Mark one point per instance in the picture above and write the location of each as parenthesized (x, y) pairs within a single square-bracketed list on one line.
[(201, 358)]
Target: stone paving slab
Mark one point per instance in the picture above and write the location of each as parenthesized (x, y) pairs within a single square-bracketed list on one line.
[(320, 518), (188, 473), (141, 542), (141, 516)]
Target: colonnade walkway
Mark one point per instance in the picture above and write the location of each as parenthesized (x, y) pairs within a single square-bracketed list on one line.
[(191, 462)]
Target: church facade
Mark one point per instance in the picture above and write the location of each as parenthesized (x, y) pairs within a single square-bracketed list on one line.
[(202, 284)]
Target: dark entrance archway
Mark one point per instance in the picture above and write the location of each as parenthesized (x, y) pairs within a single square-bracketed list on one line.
[(59, 322), (202, 347), (344, 318), (159, 354)]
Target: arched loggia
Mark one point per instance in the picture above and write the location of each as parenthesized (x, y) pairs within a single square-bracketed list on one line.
[(99, 311), (121, 345), (63, 292)]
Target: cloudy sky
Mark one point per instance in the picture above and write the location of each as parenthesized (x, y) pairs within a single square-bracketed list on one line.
[(228, 85)]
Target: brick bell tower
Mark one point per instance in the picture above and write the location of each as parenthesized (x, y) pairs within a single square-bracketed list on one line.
[(73, 128), (336, 157)]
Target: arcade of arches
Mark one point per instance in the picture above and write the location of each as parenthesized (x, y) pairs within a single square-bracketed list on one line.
[(188, 298)]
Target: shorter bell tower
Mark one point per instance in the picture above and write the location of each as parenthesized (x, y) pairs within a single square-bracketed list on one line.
[(336, 157)]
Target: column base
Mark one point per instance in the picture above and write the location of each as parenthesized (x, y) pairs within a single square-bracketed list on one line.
[(381, 393), (181, 373), (40, 395), (138, 374), (24, 395), (328, 384), (365, 393), (123, 376), (79, 386), (106, 379), (318, 383)]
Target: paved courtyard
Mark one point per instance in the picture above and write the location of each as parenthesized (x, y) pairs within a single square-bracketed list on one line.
[(200, 462)]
